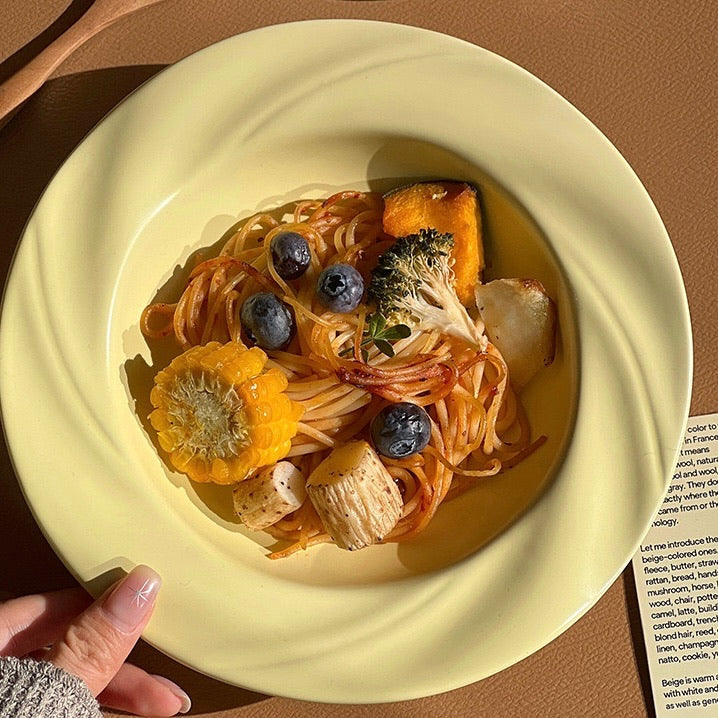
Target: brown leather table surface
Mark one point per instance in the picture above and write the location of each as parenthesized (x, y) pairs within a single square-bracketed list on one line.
[(643, 71)]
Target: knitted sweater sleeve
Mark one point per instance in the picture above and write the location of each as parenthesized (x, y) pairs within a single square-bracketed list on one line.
[(38, 689)]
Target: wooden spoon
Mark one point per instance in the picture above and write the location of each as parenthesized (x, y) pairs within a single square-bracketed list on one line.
[(101, 14)]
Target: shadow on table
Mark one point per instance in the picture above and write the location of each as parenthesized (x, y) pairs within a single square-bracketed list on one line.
[(33, 145), (639, 647), (70, 15)]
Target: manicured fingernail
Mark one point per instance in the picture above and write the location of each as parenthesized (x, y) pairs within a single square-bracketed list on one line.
[(132, 599), (176, 691)]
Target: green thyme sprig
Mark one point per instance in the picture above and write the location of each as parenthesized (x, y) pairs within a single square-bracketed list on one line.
[(376, 332)]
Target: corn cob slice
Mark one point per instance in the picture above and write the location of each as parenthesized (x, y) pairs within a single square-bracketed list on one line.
[(355, 496), (269, 495), (219, 415)]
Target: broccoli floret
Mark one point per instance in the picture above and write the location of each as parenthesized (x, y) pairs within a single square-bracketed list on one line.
[(412, 284)]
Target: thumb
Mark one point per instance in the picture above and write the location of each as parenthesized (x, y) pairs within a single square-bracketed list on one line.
[(99, 640)]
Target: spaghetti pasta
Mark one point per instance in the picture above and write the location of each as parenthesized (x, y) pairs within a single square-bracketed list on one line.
[(477, 424)]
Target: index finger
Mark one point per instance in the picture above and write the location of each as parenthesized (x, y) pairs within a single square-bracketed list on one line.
[(31, 622)]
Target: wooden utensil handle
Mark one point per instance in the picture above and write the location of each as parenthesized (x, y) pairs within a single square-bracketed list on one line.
[(15, 90)]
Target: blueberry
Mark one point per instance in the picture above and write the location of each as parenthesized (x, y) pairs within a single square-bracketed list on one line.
[(290, 254), (340, 288), (267, 321), (400, 430)]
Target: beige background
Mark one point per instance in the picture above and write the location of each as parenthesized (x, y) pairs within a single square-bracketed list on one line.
[(643, 71)]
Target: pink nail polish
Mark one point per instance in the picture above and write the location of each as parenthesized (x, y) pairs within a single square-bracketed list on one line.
[(176, 691), (133, 598)]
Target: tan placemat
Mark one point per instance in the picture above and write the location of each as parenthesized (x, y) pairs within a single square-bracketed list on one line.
[(644, 72)]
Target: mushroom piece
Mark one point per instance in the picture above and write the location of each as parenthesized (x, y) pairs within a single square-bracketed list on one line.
[(269, 495), (355, 496), (520, 321)]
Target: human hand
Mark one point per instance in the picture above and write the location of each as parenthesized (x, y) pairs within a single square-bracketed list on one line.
[(92, 640)]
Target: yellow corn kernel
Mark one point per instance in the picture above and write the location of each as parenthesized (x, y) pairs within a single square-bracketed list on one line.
[(262, 436), (219, 471), (264, 387), (280, 408), (219, 415), (240, 369), (159, 421)]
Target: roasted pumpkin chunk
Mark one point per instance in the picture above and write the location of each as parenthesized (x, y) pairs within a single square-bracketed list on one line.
[(448, 207)]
